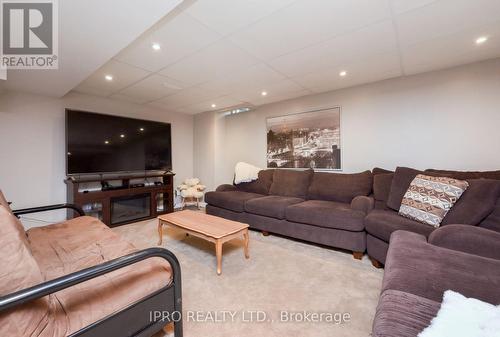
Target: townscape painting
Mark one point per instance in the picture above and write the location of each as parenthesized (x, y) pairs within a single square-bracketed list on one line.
[(305, 140)]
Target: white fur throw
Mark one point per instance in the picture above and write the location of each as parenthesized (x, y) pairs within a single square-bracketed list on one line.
[(244, 173), (460, 316)]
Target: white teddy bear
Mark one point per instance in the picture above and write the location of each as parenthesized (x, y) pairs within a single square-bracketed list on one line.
[(191, 190)]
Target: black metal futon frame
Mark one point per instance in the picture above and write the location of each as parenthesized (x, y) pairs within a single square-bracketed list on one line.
[(136, 319)]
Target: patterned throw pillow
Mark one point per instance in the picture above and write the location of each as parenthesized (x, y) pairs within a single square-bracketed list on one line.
[(428, 199)]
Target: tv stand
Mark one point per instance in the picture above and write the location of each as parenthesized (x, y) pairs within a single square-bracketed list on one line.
[(124, 202)]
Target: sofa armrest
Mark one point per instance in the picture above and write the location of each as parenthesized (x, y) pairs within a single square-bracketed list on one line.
[(402, 235), (76, 208), (363, 204), (468, 239), (226, 187)]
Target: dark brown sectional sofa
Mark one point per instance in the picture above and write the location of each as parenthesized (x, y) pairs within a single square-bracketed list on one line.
[(324, 208), (462, 258), (357, 212), (479, 206)]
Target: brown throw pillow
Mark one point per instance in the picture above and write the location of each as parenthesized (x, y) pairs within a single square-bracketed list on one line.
[(476, 204), (428, 199), (261, 185), (402, 178)]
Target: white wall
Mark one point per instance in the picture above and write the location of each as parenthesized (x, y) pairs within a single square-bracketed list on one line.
[(446, 119), (32, 145)]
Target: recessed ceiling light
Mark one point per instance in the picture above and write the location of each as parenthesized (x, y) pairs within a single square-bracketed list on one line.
[(156, 46), (264, 93), (343, 73), (106, 142), (214, 106), (108, 77), (141, 129), (122, 136), (481, 39)]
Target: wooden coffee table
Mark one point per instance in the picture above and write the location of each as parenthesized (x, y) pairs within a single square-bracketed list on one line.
[(208, 227)]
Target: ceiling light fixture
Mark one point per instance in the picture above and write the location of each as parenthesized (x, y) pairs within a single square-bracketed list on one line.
[(108, 77), (343, 73), (214, 105), (106, 142), (122, 136), (481, 39), (264, 93), (156, 46), (141, 129), (237, 111)]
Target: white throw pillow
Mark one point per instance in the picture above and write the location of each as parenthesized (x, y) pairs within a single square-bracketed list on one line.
[(460, 316), (244, 173)]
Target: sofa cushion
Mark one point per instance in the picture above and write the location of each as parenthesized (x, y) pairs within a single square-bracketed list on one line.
[(492, 221), (476, 203), (273, 206), (328, 214), (403, 176), (232, 200), (84, 242), (290, 183), (378, 170), (401, 314), (464, 175), (261, 185), (382, 223), (382, 186), (429, 199), (20, 271), (339, 187)]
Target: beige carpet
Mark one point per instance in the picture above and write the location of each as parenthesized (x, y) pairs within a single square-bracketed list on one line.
[(281, 275)]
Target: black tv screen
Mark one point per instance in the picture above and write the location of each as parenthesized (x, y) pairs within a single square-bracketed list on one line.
[(97, 143)]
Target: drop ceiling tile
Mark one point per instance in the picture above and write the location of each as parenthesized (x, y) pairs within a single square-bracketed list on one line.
[(186, 97), (378, 68), (219, 59), (226, 16), (152, 88), (280, 97), (84, 89), (178, 37), (127, 98), (401, 6), (452, 50), (255, 78), (277, 89), (123, 76), (366, 42), (307, 22), (445, 17)]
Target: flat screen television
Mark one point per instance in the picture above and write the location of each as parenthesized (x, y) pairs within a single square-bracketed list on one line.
[(98, 143)]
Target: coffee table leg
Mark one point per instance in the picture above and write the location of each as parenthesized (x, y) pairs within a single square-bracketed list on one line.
[(218, 253), (160, 232), (246, 238)]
